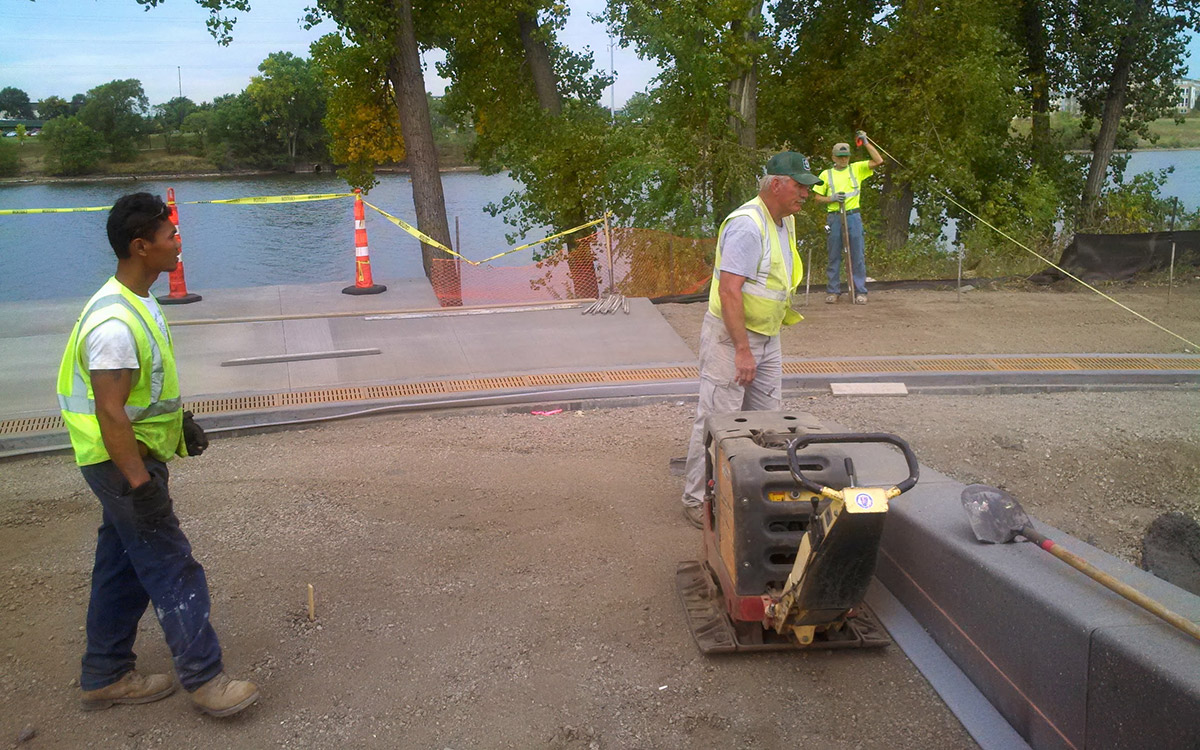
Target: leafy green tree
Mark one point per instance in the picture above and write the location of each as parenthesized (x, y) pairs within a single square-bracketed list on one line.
[(388, 31), (533, 106), (53, 106), (173, 112), (77, 103), (10, 162), (1126, 55), (706, 100), (236, 136), (116, 111), (220, 26), (360, 116), (291, 102), (197, 123), (168, 118), (15, 103), (72, 147)]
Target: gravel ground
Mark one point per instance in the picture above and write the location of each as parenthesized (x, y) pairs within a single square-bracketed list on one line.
[(504, 580)]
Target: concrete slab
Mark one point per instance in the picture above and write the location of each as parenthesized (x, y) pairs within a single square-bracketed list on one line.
[(436, 347)]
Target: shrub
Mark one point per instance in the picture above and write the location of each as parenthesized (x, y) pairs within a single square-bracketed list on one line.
[(71, 147)]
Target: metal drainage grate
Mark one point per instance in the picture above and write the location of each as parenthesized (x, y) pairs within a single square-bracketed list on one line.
[(31, 424), (807, 367)]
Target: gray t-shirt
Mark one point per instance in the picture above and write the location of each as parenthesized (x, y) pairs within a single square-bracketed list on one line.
[(742, 248)]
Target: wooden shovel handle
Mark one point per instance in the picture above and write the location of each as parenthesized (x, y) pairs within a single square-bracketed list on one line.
[(1112, 584)]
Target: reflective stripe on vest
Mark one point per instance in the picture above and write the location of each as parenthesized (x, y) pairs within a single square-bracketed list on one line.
[(827, 176), (78, 400), (766, 298), (154, 405)]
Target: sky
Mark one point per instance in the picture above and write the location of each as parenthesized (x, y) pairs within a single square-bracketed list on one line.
[(65, 47)]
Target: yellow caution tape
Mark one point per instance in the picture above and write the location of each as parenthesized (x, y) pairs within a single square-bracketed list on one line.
[(430, 241), (11, 211), (231, 201), (424, 238), (277, 199), (544, 239)]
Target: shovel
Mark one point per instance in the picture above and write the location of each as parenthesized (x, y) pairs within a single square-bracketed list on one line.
[(996, 517)]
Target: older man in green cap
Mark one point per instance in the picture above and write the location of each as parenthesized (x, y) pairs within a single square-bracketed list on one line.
[(756, 270)]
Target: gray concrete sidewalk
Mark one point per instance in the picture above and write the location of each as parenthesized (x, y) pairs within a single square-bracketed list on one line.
[(436, 343)]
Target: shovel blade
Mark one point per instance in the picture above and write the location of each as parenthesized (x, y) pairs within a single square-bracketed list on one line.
[(996, 517)]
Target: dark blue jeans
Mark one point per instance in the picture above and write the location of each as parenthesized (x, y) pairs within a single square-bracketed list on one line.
[(134, 566), (833, 243)]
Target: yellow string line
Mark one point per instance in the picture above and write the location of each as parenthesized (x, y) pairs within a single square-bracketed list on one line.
[(1043, 259), (430, 241)]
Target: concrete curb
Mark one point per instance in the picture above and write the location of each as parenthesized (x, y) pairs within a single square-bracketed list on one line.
[(1068, 663)]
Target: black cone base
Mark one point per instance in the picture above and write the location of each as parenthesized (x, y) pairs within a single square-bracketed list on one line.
[(182, 299), (374, 289)]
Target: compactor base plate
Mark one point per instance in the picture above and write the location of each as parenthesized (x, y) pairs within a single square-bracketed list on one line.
[(716, 633)]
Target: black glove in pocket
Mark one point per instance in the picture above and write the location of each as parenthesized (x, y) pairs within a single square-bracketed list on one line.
[(151, 503)]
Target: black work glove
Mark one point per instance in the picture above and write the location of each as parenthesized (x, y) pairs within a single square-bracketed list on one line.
[(151, 503), (193, 435)]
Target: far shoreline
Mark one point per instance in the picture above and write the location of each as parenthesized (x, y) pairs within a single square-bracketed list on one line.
[(140, 177)]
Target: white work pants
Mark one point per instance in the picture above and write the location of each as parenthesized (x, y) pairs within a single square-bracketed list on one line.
[(720, 394)]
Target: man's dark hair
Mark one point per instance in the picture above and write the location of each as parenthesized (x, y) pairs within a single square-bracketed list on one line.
[(135, 216)]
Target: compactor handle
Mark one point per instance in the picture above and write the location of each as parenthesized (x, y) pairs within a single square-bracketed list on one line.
[(795, 446)]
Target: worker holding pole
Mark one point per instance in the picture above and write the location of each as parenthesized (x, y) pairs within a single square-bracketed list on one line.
[(756, 271), (841, 189)]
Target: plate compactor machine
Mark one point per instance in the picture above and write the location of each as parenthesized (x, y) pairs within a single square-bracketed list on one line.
[(790, 540)]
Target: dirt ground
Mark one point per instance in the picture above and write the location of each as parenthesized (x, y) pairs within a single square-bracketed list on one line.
[(504, 580)]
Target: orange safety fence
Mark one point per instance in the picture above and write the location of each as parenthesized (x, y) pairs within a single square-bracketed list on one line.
[(642, 263)]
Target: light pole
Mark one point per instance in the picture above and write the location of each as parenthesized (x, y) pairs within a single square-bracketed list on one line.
[(612, 70)]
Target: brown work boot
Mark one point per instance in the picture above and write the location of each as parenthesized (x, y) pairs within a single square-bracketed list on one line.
[(222, 696), (131, 688), (694, 515)]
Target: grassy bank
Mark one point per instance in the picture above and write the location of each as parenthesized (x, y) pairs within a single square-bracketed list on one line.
[(1165, 133), (153, 158)]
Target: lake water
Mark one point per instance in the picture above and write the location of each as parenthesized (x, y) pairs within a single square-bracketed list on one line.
[(45, 256)]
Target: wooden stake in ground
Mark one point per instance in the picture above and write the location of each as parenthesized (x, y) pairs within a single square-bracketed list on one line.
[(312, 604)]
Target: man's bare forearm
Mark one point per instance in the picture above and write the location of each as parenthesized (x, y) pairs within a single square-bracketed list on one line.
[(111, 389)]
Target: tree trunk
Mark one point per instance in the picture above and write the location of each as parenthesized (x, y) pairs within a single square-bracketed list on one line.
[(429, 202), (1036, 70), (1110, 118), (540, 67), (743, 112), (581, 262), (896, 204)]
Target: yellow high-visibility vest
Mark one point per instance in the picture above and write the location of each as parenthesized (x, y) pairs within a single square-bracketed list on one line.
[(767, 297), (154, 406)]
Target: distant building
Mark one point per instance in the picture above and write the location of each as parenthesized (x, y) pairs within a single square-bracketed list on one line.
[(1067, 103), (1189, 93)]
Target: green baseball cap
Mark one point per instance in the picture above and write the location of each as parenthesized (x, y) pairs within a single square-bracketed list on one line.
[(793, 165)]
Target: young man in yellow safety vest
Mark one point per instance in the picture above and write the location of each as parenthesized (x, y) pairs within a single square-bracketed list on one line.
[(119, 394), (755, 273), (841, 190)]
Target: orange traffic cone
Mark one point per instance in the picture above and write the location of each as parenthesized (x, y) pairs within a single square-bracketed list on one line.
[(178, 294), (363, 283)]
